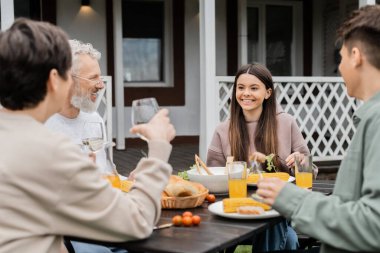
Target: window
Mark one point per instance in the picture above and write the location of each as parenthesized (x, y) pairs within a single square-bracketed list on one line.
[(173, 54), (147, 43), (273, 35)]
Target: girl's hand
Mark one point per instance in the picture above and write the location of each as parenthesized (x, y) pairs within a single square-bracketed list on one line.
[(290, 159), (257, 156)]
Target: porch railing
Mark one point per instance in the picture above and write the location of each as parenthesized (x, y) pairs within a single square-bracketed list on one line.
[(320, 105)]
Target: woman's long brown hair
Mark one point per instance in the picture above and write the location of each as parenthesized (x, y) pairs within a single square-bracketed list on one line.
[(266, 132)]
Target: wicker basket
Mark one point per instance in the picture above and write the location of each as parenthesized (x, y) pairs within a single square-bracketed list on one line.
[(184, 202)]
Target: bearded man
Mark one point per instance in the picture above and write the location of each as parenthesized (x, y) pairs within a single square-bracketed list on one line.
[(80, 105)]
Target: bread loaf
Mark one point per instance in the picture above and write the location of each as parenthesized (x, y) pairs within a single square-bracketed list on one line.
[(177, 187), (256, 210)]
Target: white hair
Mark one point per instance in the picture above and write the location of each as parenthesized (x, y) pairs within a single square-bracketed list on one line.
[(80, 48), (79, 100)]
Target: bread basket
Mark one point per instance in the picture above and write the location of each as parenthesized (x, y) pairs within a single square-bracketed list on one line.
[(184, 202)]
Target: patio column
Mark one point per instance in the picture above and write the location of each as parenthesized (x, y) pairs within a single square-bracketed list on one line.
[(7, 14), (366, 2), (118, 78), (208, 88)]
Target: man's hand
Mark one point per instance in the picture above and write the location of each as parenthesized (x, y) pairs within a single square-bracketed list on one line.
[(158, 128), (269, 188), (92, 157)]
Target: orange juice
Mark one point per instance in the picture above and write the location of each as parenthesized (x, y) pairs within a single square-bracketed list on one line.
[(237, 188), (304, 180), (113, 179)]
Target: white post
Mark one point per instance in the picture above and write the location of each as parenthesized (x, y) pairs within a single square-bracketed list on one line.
[(119, 83), (243, 32), (317, 38), (366, 2), (7, 14), (207, 74)]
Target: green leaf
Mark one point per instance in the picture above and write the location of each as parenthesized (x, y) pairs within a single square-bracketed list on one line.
[(269, 161), (183, 175)]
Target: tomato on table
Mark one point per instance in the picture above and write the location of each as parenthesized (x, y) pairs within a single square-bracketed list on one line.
[(187, 213), (196, 219), (177, 220), (187, 221), (210, 198)]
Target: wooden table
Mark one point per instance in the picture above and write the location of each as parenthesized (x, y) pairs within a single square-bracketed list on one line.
[(212, 235), (324, 186)]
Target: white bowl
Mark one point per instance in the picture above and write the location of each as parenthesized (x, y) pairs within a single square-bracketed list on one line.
[(217, 183)]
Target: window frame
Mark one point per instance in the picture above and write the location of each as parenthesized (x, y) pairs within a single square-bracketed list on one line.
[(168, 50), (166, 96), (297, 36)]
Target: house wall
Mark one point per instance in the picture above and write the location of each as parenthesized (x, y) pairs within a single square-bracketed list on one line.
[(90, 26), (87, 24)]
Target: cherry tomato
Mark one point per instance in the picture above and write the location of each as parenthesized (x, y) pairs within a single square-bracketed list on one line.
[(210, 198), (187, 213), (187, 221), (177, 220), (196, 220)]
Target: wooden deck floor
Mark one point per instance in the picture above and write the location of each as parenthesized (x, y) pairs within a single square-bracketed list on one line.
[(182, 157)]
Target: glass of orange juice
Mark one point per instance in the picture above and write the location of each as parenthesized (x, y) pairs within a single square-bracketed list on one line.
[(237, 179), (109, 172), (113, 179), (304, 171)]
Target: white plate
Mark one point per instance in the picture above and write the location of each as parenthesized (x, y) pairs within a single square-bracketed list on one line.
[(217, 208), (291, 179)]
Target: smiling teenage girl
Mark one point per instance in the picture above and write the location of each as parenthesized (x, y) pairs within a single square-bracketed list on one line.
[(257, 123)]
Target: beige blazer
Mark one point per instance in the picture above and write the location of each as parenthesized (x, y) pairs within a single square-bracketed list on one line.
[(48, 188)]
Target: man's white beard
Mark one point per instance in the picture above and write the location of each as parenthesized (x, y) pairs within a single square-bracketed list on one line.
[(83, 103)]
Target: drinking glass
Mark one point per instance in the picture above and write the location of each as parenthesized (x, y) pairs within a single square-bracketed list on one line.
[(109, 172), (93, 136), (257, 169), (142, 112), (237, 179), (304, 170)]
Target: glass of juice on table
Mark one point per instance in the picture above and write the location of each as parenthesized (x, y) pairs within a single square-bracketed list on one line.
[(109, 172), (304, 171), (237, 179)]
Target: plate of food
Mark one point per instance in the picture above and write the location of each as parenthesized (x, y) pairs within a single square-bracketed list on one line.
[(253, 178), (246, 212)]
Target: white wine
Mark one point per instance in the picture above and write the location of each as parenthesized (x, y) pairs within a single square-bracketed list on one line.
[(94, 144)]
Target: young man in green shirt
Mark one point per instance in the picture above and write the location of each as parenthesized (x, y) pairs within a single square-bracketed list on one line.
[(349, 219)]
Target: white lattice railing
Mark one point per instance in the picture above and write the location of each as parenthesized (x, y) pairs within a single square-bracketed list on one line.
[(320, 105)]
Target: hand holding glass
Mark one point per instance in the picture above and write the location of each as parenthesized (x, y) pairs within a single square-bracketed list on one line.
[(143, 111), (237, 179), (304, 171)]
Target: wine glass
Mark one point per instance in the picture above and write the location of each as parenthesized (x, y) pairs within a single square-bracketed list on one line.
[(93, 136), (142, 112)]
